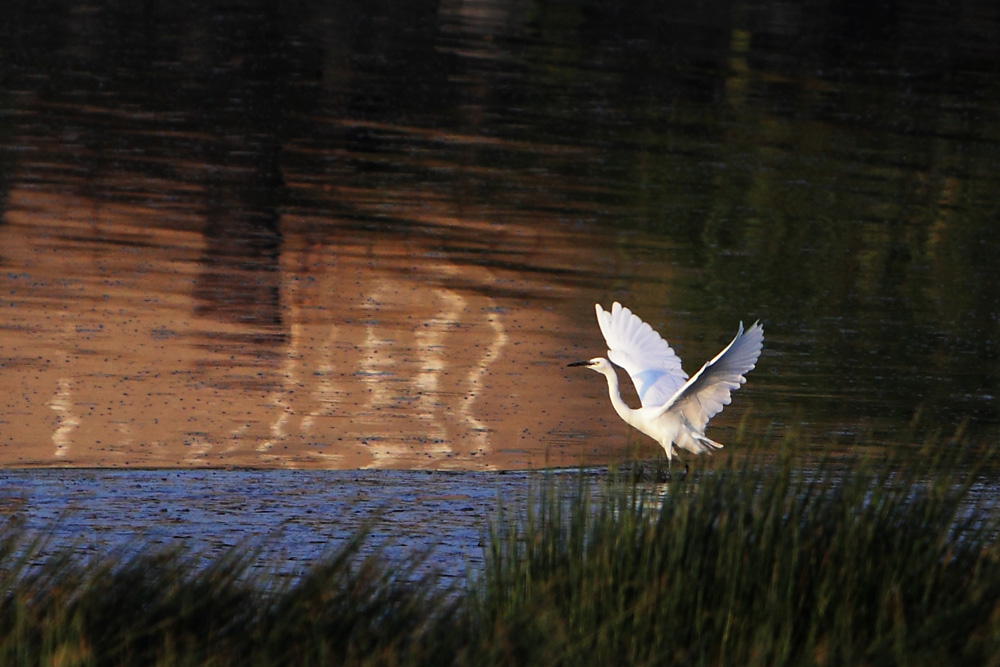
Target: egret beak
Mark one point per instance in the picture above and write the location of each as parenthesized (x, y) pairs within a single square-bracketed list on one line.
[(579, 363)]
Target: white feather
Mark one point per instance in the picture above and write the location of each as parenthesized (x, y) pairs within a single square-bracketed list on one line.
[(675, 409)]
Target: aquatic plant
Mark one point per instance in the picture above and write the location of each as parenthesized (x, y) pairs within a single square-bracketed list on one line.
[(165, 607), (856, 561), (759, 560)]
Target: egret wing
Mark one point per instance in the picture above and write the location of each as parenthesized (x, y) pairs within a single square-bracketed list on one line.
[(649, 360), (708, 390)]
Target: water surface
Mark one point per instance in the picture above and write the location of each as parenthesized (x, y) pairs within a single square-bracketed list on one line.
[(362, 235), (290, 519)]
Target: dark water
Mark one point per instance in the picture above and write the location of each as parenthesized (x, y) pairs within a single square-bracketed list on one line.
[(369, 235)]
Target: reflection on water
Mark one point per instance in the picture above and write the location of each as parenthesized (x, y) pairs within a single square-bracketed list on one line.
[(362, 235), (371, 350)]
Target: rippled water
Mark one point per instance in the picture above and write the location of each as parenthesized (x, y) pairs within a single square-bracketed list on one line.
[(293, 518), (369, 235)]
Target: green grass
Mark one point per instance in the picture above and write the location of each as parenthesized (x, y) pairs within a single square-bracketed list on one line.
[(757, 561)]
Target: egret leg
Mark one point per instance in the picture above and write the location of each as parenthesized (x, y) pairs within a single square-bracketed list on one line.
[(670, 461), (686, 468)]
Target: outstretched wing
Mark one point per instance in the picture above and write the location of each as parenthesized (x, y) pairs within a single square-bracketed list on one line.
[(654, 367), (708, 391)]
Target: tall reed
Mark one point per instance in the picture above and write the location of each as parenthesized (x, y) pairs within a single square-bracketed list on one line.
[(853, 562), (758, 561)]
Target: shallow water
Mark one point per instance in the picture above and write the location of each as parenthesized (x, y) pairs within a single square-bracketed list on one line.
[(293, 518)]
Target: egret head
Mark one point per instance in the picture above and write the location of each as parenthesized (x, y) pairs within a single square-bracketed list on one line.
[(598, 364)]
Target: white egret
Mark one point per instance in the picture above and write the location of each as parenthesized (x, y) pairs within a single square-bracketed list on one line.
[(675, 409)]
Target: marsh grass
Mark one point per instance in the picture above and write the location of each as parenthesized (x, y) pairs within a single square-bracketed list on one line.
[(853, 562), (166, 607), (879, 560)]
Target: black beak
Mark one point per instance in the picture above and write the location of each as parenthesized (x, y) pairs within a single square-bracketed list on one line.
[(578, 363)]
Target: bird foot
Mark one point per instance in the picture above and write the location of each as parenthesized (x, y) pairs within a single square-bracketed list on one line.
[(666, 475)]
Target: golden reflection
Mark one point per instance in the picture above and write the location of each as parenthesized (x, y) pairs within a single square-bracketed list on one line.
[(67, 421), (387, 351)]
